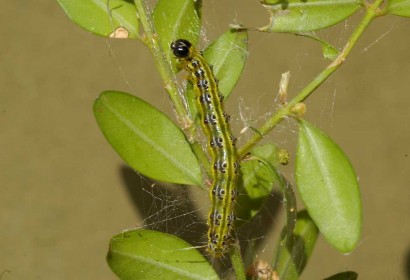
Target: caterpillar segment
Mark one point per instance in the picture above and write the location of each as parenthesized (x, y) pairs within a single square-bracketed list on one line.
[(221, 147)]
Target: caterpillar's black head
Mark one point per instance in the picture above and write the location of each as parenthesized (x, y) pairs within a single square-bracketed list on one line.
[(181, 48)]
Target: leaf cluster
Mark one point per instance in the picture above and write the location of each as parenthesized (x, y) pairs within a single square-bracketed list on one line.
[(152, 144)]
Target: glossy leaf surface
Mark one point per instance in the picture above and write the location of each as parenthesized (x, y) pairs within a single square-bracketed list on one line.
[(146, 138), (290, 262), (147, 254), (296, 16), (102, 17), (328, 186)]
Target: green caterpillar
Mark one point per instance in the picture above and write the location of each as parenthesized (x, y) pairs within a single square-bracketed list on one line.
[(221, 147)]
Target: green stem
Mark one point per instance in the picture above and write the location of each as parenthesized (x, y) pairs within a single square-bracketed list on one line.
[(164, 68), (371, 13), (237, 262)]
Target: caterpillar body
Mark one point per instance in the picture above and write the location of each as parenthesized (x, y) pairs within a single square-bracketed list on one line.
[(221, 146)]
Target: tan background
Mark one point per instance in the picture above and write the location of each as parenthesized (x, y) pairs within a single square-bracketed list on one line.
[(62, 186)]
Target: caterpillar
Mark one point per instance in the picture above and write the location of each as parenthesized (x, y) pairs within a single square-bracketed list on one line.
[(221, 146)]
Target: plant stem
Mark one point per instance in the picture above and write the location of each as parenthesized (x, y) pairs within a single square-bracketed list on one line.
[(177, 98), (164, 68), (237, 262), (371, 13)]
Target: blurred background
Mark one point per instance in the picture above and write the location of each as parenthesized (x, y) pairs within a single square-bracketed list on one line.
[(65, 192)]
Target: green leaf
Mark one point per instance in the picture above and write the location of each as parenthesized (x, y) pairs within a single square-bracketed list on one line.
[(328, 186), (298, 16), (176, 19), (347, 275), (102, 17), (256, 183), (146, 254), (290, 262), (399, 7), (329, 52), (146, 138), (227, 55)]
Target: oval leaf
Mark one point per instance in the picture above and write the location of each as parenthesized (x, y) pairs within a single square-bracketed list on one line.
[(146, 138), (290, 262), (147, 254), (328, 186), (399, 7), (256, 183), (227, 55), (102, 17), (176, 19), (296, 16)]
